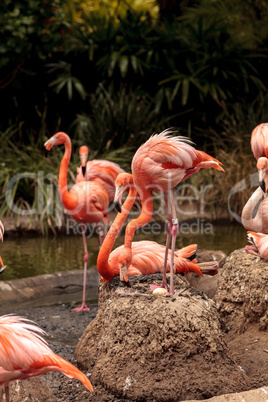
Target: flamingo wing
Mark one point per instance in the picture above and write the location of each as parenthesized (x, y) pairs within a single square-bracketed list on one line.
[(24, 353), (148, 258)]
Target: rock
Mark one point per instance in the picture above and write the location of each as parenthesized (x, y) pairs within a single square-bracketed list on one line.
[(242, 295), (30, 390), (255, 395), (211, 255), (153, 348), (208, 284), (48, 289)]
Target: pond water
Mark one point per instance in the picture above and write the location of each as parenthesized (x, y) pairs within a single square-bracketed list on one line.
[(32, 256)]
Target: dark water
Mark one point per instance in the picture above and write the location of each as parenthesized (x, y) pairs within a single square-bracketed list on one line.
[(39, 255)]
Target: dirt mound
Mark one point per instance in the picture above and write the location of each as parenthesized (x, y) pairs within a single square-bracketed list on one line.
[(242, 295), (153, 348), (208, 284)]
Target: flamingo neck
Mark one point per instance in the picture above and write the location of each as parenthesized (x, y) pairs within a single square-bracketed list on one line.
[(68, 201), (64, 164), (103, 265), (142, 220), (254, 212)]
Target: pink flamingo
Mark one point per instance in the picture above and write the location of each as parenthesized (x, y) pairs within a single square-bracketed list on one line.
[(86, 201), (24, 353), (160, 164), (259, 245), (147, 256), (100, 171)]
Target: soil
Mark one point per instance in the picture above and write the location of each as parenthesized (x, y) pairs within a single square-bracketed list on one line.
[(130, 354)]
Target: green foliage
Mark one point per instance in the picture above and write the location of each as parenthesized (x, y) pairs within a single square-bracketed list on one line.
[(118, 118), (29, 27)]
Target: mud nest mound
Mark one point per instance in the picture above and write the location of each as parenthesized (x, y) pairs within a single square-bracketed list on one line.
[(154, 348), (242, 295)]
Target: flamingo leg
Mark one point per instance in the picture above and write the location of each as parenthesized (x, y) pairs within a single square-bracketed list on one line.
[(2, 231), (169, 227), (7, 392), (84, 306), (174, 230)]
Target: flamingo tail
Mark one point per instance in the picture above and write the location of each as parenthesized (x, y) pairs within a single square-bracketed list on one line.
[(69, 370)]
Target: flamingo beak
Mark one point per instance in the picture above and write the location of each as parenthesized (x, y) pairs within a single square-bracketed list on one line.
[(49, 144), (261, 180), (83, 159), (118, 198)]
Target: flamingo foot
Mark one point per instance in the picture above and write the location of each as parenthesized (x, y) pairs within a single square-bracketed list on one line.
[(162, 286), (84, 307), (252, 250), (123, 273)]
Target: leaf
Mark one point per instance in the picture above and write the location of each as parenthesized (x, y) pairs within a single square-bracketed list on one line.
[(123, 65), (185, 91)]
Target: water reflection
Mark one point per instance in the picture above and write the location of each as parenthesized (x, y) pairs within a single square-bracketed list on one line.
[(34, 256)]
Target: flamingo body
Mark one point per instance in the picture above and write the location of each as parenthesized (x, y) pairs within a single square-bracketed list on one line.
[(148, 258), (103, 172), (259, 245), (24, 353), (163, 161), (86, 202)]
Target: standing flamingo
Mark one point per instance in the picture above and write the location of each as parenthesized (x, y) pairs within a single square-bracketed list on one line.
[(147, 256), (100, 171), (86, 201), (160, 164), (24, 353), (259, 245)]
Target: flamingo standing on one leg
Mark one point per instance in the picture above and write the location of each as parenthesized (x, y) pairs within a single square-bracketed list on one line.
[(147, 256), (24, 353), (160, 164), (86, 201), (259, 245)]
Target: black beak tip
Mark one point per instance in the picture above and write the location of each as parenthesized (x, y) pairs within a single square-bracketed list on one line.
[(46, 152), (262, 186), (84, 170), (118, 206)]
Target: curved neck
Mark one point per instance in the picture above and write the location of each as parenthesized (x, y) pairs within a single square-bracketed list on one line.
[(67, 201), (64, 164), (254, 212), (142, 220), (103, 265)]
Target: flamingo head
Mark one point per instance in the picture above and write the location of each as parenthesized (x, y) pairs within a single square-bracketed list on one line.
[(262, 166), (57, 139), (83, 155), (122, 183)]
